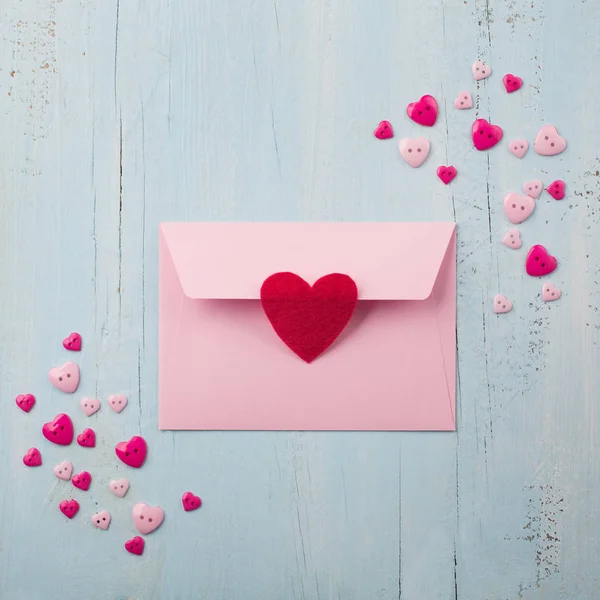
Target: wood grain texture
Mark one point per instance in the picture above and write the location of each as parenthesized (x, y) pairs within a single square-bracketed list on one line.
[(118, 115)]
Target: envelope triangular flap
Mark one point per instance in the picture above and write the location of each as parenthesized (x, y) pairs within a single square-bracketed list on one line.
[(388, 261)]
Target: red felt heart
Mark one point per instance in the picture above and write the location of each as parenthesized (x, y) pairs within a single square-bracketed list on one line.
[(308, 319), (424, 111)]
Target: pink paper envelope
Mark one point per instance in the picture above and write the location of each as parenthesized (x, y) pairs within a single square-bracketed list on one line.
[(222, 366)]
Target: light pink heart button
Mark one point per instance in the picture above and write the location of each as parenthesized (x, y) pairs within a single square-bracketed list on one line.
[(89, 406), (550, 292), (480, 70), (101, 519), (512, 239), (147, 518), (517, 208), (533, 188), (518, 148), (119, 487), (414, 150), (63, 470), (548, 142), (463, 101), (117, 402), (65, 378), (502, 304)]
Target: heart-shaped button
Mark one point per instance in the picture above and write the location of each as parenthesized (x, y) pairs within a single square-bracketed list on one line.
[(82, 481), (89, 406), (117, 402), (119, 487), (533, 188), (190, 501), (512, 83), (463, 101), (548, 142), (32, 458), (147, 518), (539, 263), (101, 519), (69, 508), (518, 148), (59, 430), (424, 111), (485, 135), (446, 174), (72, 342), (65, 378), (308, 319), (414, 150), (87, 438), (135, 545), (480, 70), (63, 470), (133, 452), (512, 239), (550, 292), (502, 304), (517, 207), (384, 130), (557, 189), (25, 402)]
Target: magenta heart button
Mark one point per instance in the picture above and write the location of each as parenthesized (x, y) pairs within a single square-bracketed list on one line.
[(485, 135), (25, 402), (133, 452), (59, 430), (539, 263)]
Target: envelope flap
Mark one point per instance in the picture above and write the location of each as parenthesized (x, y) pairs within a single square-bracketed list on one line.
[(388, 261)]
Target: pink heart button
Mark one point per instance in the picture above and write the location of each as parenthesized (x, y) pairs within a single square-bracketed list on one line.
[(533, 188), (59, 430), (135, 545), (101, 519), (502, 304), (119, 487), (69, 508), (133, 452), (424, 111), (65, 378), (384, 131), (485, 135), (63, 470), (414, 150), (463, 101), (446, 174), (480, 70), (550, 292), (147, 518), (87, 438), (512, 239), (539, 263), (518, 148), (25, 402), (32, 458), (82, 481), (190, 501), (89, 406), (548, 142), (72, 342), (517, 208), (557, 189), (512, 83), (117, 402)]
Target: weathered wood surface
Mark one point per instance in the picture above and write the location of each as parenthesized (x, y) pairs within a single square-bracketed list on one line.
[(118, 115)]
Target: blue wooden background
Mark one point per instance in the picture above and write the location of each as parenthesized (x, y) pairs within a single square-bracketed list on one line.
[(116, 115)]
